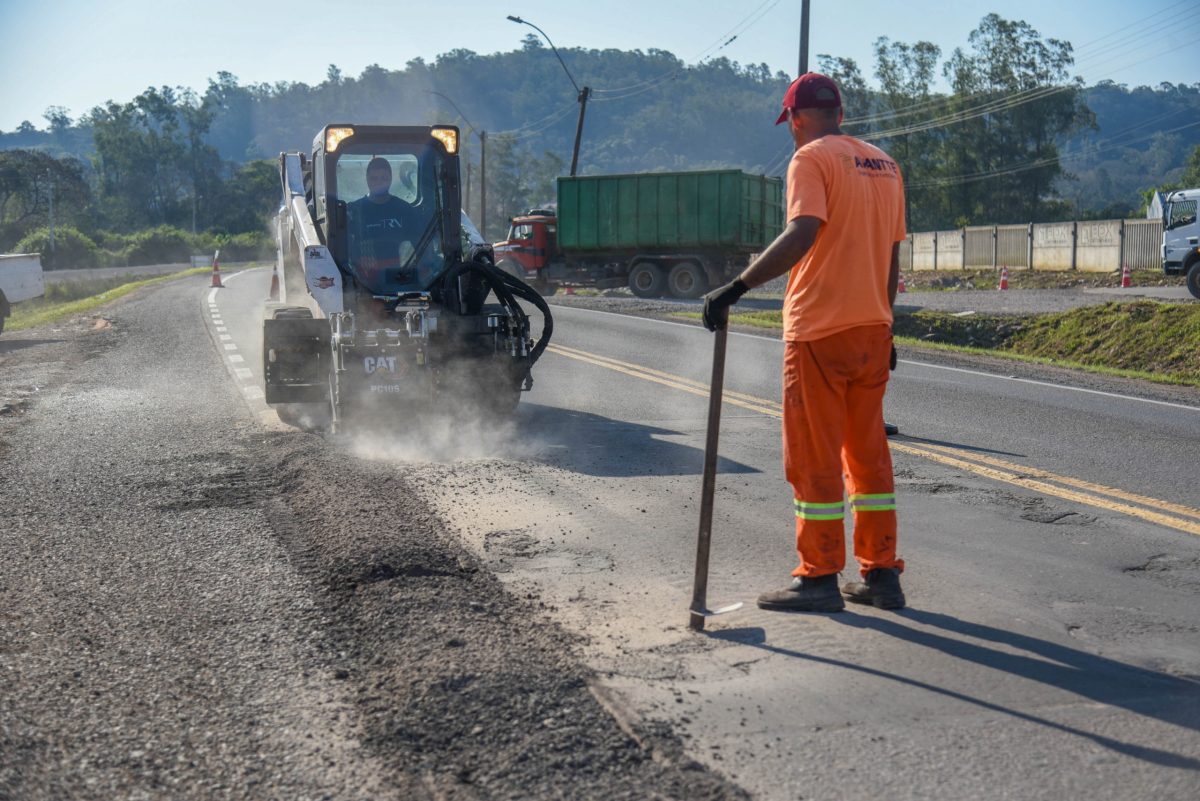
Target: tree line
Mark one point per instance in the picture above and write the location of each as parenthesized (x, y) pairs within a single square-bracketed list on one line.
[(1016, 137)]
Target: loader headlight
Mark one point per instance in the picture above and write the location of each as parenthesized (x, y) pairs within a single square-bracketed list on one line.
[(448, 137), (334, 137)]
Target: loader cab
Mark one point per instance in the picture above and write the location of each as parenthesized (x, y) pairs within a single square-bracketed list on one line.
[(386, 202)]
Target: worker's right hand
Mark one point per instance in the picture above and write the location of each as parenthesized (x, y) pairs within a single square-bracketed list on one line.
[(717, 303)]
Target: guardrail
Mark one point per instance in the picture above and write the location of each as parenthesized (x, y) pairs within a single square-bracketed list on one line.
[(1086, 245)]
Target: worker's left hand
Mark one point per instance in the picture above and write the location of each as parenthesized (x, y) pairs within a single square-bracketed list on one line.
[(717, 303)]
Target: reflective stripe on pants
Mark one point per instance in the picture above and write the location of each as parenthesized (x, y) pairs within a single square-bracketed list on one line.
[(834, 446)]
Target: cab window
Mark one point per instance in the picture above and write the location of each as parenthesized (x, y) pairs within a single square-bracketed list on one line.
[(1182, 213)]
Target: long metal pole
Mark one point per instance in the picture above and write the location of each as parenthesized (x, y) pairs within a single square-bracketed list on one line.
[(803, 37), (583, 98), (708, 488)]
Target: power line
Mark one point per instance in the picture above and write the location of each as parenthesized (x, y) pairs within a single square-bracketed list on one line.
[(998, 105), (557, 115), (719, 44), (1107, 53), (966, 178)]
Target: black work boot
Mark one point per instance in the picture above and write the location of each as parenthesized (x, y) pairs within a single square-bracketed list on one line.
[(881, 588), (806, 594)]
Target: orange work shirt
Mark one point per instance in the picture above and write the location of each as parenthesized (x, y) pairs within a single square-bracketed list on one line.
[(856, 190)]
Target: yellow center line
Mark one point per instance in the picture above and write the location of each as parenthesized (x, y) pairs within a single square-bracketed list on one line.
[(675, 382), (1165, 506), (1103, 497)]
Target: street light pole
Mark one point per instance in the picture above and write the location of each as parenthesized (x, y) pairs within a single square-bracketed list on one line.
[(582, 95), (482, 162)]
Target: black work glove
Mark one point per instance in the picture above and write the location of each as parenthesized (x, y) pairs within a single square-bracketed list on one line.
[(892, 359), (717, 303)]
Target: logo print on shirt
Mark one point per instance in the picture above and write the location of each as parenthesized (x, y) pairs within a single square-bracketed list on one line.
[(876, 166), (391, 224)]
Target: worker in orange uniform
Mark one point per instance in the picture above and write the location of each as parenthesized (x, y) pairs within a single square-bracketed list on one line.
[(845, 212)]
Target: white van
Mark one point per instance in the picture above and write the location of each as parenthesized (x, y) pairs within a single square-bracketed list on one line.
[(20, 279)]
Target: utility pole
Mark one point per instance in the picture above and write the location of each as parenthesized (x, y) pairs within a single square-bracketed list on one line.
[(50, 198), (582, 95), (583, 98), (803, 37)]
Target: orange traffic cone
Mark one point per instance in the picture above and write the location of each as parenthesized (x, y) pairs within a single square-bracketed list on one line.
[(570, 290), (1126, 277), (274, 294), (900, 284), (216, 275), (1003, 278)]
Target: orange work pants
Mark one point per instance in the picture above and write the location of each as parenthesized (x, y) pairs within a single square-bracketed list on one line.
[(834, 445)]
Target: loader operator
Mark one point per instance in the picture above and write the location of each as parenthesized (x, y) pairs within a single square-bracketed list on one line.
[(845, 209), (381, 224)]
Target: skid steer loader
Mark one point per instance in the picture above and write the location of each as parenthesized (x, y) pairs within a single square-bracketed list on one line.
[(389, 302)]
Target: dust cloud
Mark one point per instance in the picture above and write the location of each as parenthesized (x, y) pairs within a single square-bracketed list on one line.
[(456, 432)]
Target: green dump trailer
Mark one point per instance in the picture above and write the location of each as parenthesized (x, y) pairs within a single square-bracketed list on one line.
[(668, 233)]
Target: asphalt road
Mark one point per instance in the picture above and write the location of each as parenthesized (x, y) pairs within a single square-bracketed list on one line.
[(199, 602), (1050, 526), (195, 604)]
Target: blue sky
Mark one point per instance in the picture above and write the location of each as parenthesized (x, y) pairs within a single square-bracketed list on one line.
[(78, 53)]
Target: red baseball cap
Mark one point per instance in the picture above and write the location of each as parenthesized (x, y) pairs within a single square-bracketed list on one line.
[(810, 90)]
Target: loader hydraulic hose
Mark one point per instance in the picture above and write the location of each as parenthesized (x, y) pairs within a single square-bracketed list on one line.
[(507, 289)]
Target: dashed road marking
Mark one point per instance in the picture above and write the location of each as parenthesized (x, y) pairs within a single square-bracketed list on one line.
[(230, 346), (224, 337), (236, 358), (244, 373)]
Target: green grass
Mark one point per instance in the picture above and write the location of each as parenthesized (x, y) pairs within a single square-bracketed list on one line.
[(1139, 339), (70, 298)]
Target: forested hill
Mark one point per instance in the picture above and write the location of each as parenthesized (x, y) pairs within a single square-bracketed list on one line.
[(986, 151)]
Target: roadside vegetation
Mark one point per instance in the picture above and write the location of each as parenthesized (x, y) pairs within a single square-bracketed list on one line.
[(1137, 339), (1022, 278), (77, 297)]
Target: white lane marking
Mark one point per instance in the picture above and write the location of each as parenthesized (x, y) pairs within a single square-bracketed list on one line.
[(230, 346), (212, 295), (226, 278), (253, 393), (909, 361), (1053, 386), (244, 373), (224, 337), (236, 358), (221, 329)]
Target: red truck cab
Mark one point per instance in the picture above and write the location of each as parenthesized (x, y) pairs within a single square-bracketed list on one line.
[(531, 245)]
